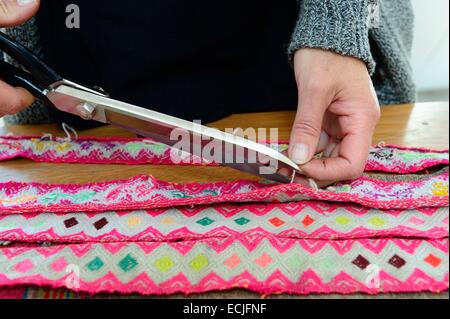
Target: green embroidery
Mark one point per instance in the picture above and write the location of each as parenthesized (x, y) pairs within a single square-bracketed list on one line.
[(242, 221), (84, 196), (128, 263), (179, 194), (211, 192), (136, 147), (8, 225), (95, 264), (343, 189), (51, 198), (56, 197), (205, 221), (412, 156)]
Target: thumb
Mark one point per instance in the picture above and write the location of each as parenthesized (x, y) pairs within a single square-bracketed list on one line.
[(307, 128), (15, 12)]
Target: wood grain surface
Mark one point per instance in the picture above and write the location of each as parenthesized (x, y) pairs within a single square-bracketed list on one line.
[(410, 125)]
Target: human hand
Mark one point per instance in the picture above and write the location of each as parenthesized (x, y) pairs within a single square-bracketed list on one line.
[(337, 114), (12, 13)]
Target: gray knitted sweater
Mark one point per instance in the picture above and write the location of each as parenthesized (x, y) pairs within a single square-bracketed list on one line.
[(379, 32)]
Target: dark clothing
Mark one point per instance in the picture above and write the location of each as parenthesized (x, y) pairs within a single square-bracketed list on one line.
[(197, 59)]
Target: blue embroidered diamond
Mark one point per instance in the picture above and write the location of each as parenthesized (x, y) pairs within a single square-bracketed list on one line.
[(95, 264), (128, 263), (242, 221), (205, 221)]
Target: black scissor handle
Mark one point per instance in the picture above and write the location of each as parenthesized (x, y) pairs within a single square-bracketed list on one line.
[(19, 78), (39, 71)]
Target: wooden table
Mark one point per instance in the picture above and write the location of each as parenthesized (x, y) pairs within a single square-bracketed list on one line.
[(410, 125), (423, 125)]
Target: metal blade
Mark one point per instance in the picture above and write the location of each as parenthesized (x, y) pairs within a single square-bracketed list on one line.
[(236, 151)]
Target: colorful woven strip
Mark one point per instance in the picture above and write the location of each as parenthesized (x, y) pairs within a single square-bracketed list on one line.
[(146, 193), (265, 265), (312, 220), (88, 150), (375, 234)]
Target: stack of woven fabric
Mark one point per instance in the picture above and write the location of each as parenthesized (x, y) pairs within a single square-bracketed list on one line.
[(381, 233)]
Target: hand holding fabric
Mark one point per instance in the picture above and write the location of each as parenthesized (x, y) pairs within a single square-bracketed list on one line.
[(337, 114), (12, 13)]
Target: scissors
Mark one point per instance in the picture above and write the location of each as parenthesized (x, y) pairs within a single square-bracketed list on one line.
[(93, 104)]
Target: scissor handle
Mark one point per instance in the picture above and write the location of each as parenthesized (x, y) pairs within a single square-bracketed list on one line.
[(39, 71), (19, 78)]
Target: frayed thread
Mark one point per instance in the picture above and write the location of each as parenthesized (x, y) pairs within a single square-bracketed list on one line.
[(69, 131), (313, 184)]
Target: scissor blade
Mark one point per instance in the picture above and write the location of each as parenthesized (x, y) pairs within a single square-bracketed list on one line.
[(235, 151)]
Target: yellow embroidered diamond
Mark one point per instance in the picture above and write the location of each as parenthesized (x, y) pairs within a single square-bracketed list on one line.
[(440, 189), (377, 222), (164, 264), (199, 262), (343, 220)]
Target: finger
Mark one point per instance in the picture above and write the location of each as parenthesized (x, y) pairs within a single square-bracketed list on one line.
[(307, 128), (15, 12), (350, 162), (310, 183), (324, 142), (303, 180), (330, 149), (13, 100)]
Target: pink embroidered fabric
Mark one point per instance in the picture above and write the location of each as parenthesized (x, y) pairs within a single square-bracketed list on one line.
[(374, 234)]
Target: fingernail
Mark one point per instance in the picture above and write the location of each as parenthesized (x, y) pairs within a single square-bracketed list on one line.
[(300, 154), (329, 150), (323, 141), (23, 3)]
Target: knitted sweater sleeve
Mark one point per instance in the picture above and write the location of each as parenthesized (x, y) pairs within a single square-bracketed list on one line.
[(341, 26)]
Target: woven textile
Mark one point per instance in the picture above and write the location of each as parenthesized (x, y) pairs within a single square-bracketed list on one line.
[(375, 234)]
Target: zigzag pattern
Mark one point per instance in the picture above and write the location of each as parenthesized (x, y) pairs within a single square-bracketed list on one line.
[(147, 193), (254, 263), (143, 236), (389, 158), (172, 224)]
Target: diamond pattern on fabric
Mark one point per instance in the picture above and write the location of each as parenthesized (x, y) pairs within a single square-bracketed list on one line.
[(128, 263), (397, 261), (433, 260), (199, 262), (164, 264), (361, 262), (71, 222), (242, 221), (205, 221), (151, 237), (100, 223), (95, 264)]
